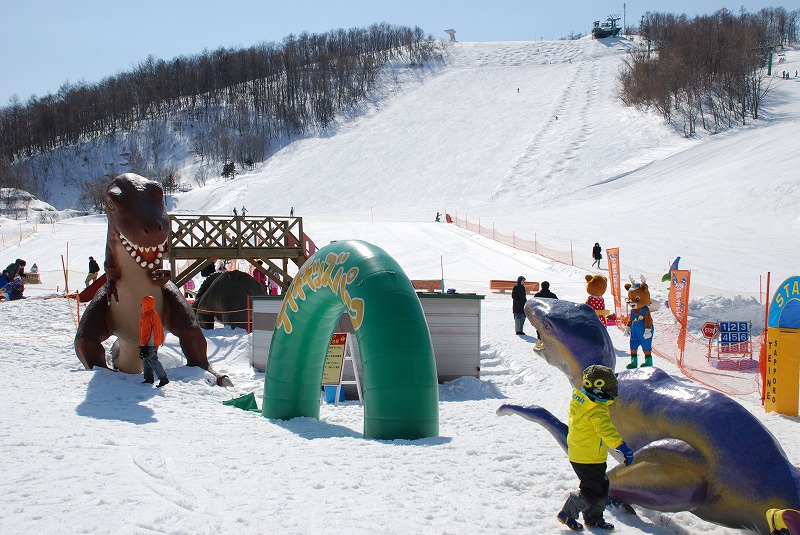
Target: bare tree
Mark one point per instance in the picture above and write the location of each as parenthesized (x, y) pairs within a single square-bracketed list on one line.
[(244, 97), (93, 194), (707, 71), (201, 175)]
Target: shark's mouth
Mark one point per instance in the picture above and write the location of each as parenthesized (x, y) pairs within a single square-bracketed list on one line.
[(147, 257)]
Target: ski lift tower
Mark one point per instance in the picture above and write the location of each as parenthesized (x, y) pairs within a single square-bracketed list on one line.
[(612, 20), (608, 28), (452, 34)]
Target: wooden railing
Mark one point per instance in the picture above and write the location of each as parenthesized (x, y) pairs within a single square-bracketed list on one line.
[(209, 237)]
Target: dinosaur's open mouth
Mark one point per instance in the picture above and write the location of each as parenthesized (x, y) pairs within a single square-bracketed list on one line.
[(147, 257)]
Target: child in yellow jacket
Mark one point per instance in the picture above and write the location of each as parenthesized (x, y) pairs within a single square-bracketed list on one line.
[(151, 336), (591, 432)]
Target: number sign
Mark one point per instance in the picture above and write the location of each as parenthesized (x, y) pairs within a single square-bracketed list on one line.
[(734, 336)]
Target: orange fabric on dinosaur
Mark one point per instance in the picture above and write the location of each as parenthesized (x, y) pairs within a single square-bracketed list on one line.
[(150, 322)]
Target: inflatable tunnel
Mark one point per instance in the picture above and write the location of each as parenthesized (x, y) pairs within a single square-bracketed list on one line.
[(401, 392)]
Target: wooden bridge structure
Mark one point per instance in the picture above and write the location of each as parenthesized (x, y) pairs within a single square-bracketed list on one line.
[(203, 239)]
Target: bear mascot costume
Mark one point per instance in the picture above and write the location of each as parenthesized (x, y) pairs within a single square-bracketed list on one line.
[(640, 323), (596, 286)]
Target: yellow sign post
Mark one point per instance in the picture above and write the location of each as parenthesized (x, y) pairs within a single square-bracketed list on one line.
[(340, 351), (332, 374), (783, 371), (782, 391)]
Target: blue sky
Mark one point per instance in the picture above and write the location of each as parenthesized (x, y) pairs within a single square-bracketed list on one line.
[(44, 43)]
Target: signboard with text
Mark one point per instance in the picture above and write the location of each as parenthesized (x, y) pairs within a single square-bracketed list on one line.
[(734, 336), (781, 389), (782, 377), (332, 374)]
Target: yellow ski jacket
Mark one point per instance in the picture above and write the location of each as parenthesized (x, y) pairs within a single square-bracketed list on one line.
[(590, 430)]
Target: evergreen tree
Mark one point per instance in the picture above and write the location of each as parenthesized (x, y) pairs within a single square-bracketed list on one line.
[(229, 170)]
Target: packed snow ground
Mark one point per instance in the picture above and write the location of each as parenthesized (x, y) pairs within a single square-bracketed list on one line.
[(97, 452)]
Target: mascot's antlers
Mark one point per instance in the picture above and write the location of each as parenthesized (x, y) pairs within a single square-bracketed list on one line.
[(637, 284)]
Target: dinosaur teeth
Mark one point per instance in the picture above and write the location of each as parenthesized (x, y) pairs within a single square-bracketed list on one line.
[(144, 256)]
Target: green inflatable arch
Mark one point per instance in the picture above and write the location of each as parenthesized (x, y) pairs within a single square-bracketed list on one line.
[(401, 392)]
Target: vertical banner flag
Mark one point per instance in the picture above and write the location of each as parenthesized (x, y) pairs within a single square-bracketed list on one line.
[(613, 278), (679, 301)]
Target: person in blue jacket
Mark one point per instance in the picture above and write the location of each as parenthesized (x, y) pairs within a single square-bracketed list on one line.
[(5, 284), (17, 289)]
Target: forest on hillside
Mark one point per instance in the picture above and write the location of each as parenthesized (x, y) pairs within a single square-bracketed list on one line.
[(244, 98), (229, 109), (709, 71)]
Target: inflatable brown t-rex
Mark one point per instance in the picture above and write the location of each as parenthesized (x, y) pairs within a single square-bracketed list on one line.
[(138, 227)]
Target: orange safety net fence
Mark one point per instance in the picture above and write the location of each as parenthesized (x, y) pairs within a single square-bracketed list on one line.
[(730, 374)]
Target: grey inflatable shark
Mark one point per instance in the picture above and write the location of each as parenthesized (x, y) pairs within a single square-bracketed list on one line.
[(696, 449)]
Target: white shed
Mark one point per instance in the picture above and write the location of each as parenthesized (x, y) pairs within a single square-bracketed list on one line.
[(454, 321)]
